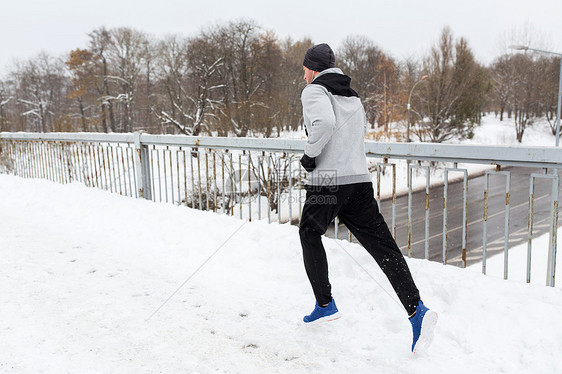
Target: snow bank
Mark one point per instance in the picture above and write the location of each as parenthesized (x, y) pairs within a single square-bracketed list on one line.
[(81, 270)]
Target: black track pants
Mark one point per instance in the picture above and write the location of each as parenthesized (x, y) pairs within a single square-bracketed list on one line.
[(357, 208)]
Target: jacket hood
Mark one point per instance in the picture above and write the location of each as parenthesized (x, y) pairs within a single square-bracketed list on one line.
[(336, 82)]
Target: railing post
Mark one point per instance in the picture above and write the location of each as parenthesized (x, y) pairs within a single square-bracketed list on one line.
[(142, 168), (464, 239), (552, 247), (551, 270), (410, 220), (487, 175)]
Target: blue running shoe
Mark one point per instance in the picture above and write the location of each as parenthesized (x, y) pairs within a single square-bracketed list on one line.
[(327, 313), (423, 326)]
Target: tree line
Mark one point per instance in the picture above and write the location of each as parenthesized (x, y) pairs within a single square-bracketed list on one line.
[(238, 79)]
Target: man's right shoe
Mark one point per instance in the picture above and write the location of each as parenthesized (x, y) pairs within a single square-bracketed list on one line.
[(423, 326), (328, 313)]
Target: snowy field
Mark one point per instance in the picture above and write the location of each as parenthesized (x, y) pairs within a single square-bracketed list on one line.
[(82, 271)]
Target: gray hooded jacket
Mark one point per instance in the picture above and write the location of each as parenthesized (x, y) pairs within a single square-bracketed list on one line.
[(335, 123)]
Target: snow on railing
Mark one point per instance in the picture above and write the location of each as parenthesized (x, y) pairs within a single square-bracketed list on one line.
[(256, 178)]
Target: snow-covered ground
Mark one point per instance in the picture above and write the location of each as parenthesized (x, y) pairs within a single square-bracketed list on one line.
[(517, 262), (82, 270), (492, 131)]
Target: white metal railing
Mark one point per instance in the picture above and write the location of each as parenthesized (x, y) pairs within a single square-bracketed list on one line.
[(262, 178)]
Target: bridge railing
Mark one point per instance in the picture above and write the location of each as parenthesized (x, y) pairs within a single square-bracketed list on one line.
[(255, 178)]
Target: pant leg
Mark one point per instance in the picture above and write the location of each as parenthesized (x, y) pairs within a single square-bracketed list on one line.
[(321, 207), (362, 217)]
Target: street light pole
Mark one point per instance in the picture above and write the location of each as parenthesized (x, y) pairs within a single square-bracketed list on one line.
[(525, 48), (408, 107)]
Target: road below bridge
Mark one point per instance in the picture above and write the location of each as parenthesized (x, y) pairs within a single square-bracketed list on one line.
[(518, 224)]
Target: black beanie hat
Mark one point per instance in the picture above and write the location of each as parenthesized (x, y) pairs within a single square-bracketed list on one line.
[(319, 57)]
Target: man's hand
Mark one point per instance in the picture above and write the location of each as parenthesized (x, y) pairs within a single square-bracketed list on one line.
[(308, 163)]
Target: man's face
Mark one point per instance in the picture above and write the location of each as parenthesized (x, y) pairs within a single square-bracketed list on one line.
[(308, 74)]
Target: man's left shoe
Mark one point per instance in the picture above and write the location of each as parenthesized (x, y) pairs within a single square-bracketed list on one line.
[(423, 326), (328, 313)]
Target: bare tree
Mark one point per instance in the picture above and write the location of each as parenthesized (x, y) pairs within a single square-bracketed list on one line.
[(290, 84), (204, 64), (501, 81), (126, 56), (523, 98), (471, 80), (100, 42), (387, 96), (453, 90), (146, 85), (84, 68), (187, 70), (6, 97), (439, 93), (548, 91), (266, 111), (239, 44), (40, 87), (361, 59), (411, 73), (171, 72)]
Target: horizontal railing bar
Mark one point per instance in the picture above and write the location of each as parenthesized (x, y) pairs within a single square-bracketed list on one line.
[(463, 153), (69, 137), (544, 157), (252, 144), (501, 162)]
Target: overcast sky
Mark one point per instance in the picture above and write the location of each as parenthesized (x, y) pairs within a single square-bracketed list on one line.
[(402, 28)]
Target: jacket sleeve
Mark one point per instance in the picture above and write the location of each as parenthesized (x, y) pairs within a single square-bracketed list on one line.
[(319, 113)]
